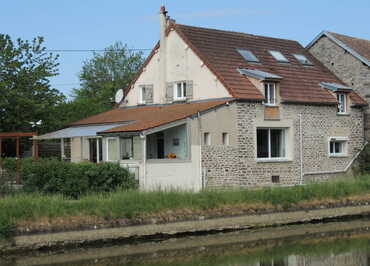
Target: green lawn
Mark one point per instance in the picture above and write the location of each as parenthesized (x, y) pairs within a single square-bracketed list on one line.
[(126, 204)]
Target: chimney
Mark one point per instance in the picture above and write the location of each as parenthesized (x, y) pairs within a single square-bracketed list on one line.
[(163, 47)]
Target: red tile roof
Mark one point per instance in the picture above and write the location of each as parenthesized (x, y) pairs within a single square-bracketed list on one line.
[(361, 46), (145, 117), (217, 48)]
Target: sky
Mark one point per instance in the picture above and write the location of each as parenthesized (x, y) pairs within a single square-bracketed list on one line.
[(96, 24)]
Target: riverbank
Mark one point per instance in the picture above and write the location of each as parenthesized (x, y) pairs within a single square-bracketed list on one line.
[(31, 221), (241, 246)]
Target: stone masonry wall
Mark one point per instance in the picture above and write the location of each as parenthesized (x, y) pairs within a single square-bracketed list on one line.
[(231, 166), (346, 67)]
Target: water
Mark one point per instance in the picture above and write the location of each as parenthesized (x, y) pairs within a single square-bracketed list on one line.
[(333, 244)]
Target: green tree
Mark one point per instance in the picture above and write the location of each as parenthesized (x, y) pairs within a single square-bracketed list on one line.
[(105, 73), (25, 92)]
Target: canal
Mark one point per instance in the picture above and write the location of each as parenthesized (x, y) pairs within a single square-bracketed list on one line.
[(341, 243)]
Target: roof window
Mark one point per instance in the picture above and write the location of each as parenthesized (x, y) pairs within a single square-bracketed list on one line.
[(248, 55), (279, 56), (302, 59)]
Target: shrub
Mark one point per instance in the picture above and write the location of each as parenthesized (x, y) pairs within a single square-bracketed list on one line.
[(71, 179), (364, 161), (8, 164)]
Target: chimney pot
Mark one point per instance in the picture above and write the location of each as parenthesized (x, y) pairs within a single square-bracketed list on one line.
[(162, 10)]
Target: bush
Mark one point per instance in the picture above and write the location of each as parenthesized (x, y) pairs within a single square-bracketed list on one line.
[(9, 164), (364, 161), (71, 179)]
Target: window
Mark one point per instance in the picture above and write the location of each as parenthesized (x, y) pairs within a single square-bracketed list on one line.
[(279, 56), (342, 103), (142, 95), (180, 91), (271, 143), (225, 138), (112, 149), (338, 146), (275, 179), (95, 150), (207, 138), (302, 59), (270, 94), (248, 55), (127, 147)]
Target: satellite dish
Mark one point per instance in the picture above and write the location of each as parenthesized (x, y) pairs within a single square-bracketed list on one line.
[(119, 96)]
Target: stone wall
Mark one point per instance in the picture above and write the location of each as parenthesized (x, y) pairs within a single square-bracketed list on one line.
[(346, 67), (237, 165)]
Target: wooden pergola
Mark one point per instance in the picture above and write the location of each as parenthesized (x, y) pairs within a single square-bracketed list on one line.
[(17, 136)]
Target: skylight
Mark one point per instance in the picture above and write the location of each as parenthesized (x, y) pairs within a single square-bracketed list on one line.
[(248, 55), (302, 59), (279, 56)]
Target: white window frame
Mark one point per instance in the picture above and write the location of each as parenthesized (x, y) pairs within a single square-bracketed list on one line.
[(225, 138), (267, 100), (181, 97), (207, 138), (344, 104), (285, 139), (142, 95), (107, 148), (344, 141)]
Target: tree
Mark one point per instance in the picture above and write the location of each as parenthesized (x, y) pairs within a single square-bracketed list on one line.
[(105, 73), (25, 92)]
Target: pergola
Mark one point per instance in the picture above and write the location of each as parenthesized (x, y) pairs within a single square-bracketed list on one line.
[(18, 136)]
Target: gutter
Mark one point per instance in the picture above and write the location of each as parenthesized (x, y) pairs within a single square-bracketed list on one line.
[(143, 137), (301, 148), (200, 153)]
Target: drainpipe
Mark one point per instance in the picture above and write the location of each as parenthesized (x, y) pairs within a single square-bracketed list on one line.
[(364, 125), (143, 137), (301, 148), (200, 152)]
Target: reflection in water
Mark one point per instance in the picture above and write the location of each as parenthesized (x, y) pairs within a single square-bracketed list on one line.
[(230, 249)]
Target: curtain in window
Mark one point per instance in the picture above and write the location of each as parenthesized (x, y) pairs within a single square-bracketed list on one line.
[(112, 150), (126, 148)]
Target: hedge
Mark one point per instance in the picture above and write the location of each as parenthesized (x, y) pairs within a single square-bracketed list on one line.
[(70, 179)]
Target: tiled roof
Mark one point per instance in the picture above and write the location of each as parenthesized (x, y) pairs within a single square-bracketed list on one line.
[(299, 83), (145, 117), (361, 46), (357, 99)]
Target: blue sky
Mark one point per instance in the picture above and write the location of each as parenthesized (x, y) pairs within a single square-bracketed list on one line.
[(95, 24)]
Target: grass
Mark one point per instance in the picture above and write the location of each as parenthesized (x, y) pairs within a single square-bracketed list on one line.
[(126, 204)]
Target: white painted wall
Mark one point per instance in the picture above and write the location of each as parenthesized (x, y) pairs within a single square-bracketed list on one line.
[(181, 64), (174, 174)]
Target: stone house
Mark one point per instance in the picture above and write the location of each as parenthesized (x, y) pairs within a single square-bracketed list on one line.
[(349, 59), (213, 108)]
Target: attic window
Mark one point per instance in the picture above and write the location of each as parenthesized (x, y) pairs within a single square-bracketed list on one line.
[(342, 103), (279, 56), (302, 59), (248, 55)]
